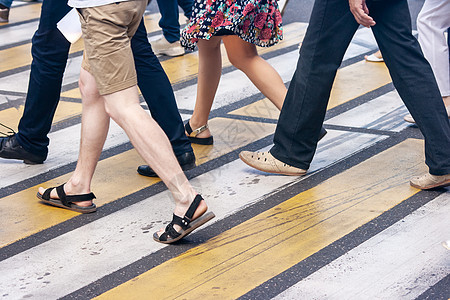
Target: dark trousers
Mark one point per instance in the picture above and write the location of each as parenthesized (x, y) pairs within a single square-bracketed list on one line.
[(330, 31), (169, 17), (50, 52)]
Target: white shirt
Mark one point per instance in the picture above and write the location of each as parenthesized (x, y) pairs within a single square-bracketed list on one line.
[(91, 3)]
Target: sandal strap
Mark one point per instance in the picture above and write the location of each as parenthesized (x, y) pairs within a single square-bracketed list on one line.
[(170, 231), (80, 198), (182, 222), (192, 208), (46, 194), (62, 195), (66, 200), (194, 133)]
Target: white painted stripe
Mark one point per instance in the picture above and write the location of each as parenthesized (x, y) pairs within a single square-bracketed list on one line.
[(63, 149), (19, 82), (383, 113), (401, 262), (233, 87), (117, 240), (18, 33), (9, 98)]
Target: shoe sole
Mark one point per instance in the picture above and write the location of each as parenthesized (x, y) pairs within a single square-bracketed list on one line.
[(202, 141), (272, 172), (76, 208), (171, 54), (30, 162), (429, 187)]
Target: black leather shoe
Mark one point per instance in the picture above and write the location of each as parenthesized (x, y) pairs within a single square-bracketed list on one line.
[(10, 149), (186, 161)]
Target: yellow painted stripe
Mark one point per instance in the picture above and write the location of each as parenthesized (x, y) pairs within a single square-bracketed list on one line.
[(238, 260), (20, 56), (362, 77), (11, 116), (23, 13), (115, 177), (65, 110), (185, 67), (261, 109)]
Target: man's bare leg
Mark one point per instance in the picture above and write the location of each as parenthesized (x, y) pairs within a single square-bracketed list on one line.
[(94, 129), (154, 147)]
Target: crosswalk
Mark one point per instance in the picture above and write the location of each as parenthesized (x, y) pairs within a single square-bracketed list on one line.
[(352, 228)]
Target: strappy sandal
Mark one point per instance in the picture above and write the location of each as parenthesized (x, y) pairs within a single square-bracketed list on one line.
[(192, 135), (186, 223), (67, 201)]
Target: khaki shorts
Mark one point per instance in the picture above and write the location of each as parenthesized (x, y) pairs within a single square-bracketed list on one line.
[(107, 31)]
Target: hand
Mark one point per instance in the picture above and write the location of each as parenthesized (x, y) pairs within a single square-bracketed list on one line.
[(361, 12)]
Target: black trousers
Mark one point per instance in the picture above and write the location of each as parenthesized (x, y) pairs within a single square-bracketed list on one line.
[(330, 31), (50, 52)]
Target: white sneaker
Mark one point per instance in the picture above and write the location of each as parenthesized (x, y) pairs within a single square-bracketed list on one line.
[(162, 47)]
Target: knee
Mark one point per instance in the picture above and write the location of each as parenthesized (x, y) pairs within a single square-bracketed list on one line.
[(241, 62), (88, 90)]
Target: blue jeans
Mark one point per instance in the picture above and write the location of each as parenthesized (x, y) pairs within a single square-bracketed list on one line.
[(332, 26), (6, 3), (169, 17), (50, 52)]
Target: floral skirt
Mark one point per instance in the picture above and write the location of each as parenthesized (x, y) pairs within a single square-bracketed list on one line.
[(255, 21)]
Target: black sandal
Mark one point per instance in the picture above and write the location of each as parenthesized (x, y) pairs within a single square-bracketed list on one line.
[(187, 225), (192, 135), (67, 201)]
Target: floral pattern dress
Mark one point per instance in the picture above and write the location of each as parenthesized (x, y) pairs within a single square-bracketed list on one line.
[(255, 21)]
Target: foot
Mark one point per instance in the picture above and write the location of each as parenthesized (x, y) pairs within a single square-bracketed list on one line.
[(428, 181), (200, 135), (4, 15), (162, 47), (186, 161), (375, 57), (264, 161), (11, 149), (180, 227), (76, 202), (408, 118)]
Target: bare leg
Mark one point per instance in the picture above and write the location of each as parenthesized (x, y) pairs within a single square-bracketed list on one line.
[(152, 144), (209, 71), (94, 129), (244, 56), (446, 100)]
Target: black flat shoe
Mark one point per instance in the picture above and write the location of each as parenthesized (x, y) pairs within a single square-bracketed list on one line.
[(11, 149), (192, 135), (186, 161)]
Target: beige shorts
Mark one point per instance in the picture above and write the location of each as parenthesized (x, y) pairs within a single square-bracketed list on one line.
[(107, 31)]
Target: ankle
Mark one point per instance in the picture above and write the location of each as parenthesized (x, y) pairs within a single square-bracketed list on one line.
[(76, 187)]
